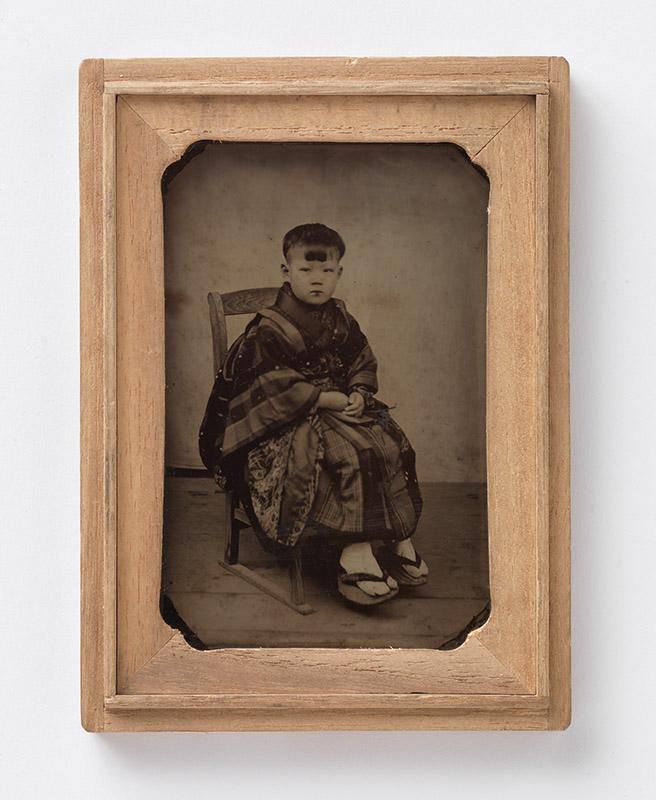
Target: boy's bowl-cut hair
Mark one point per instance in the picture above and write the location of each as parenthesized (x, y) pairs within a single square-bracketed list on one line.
[(313, 233)]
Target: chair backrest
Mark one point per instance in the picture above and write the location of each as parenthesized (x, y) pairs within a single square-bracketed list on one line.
[(228, 304)]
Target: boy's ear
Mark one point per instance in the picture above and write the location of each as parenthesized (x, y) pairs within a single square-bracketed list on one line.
[(284, 269), (340, 270)]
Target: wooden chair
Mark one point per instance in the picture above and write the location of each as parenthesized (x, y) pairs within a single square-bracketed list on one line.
[(249, 301)]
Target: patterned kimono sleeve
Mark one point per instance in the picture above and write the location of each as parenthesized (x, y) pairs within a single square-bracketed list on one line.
[(270, 392), (212, 428), (362, 365)]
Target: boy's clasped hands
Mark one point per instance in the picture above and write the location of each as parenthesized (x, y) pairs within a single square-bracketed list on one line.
[(352, 404)]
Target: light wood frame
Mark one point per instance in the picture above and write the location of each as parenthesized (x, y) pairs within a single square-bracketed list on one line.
[(511, 116)]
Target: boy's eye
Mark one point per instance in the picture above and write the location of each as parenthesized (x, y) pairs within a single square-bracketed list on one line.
[(304, 269), (329, 269)]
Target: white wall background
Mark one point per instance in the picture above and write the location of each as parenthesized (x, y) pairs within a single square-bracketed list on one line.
[(608, 751)]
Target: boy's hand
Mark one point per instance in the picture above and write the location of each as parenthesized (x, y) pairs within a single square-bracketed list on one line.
[(355, 405), (335, 401)]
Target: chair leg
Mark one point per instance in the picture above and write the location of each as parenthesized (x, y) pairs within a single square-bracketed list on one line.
[(232, 529), (295, 598), (268, 587), (296, 579)]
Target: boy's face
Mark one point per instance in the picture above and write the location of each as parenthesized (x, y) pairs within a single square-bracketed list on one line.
[(313, 271)]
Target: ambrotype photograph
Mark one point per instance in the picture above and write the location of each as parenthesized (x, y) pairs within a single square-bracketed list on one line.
[(325, 395)]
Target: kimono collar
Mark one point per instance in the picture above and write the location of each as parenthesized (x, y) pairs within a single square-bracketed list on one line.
[(309, 318)]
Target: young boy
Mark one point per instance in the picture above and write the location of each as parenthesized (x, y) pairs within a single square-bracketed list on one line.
[(292, 425)]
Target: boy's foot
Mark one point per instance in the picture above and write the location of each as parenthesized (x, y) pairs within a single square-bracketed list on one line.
[(406, 549), (404, 563), (359, 558)]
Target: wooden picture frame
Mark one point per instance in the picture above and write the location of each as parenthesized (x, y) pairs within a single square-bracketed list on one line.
[(511, 115)]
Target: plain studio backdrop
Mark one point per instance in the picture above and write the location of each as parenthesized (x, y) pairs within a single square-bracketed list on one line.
[(608, 750)]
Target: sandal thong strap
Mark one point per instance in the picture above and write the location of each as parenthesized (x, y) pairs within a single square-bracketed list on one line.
[(356, 577), (403, 560)]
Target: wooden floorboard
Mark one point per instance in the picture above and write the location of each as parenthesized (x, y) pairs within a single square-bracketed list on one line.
[(224, 610)]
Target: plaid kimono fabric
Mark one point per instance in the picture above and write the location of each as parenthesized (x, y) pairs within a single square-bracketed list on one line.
[(302, 471)]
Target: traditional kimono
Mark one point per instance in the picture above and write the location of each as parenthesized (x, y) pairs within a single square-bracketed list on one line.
[(303, 471)]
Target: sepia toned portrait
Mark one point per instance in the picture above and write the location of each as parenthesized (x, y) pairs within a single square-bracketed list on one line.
[(325, 395)]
